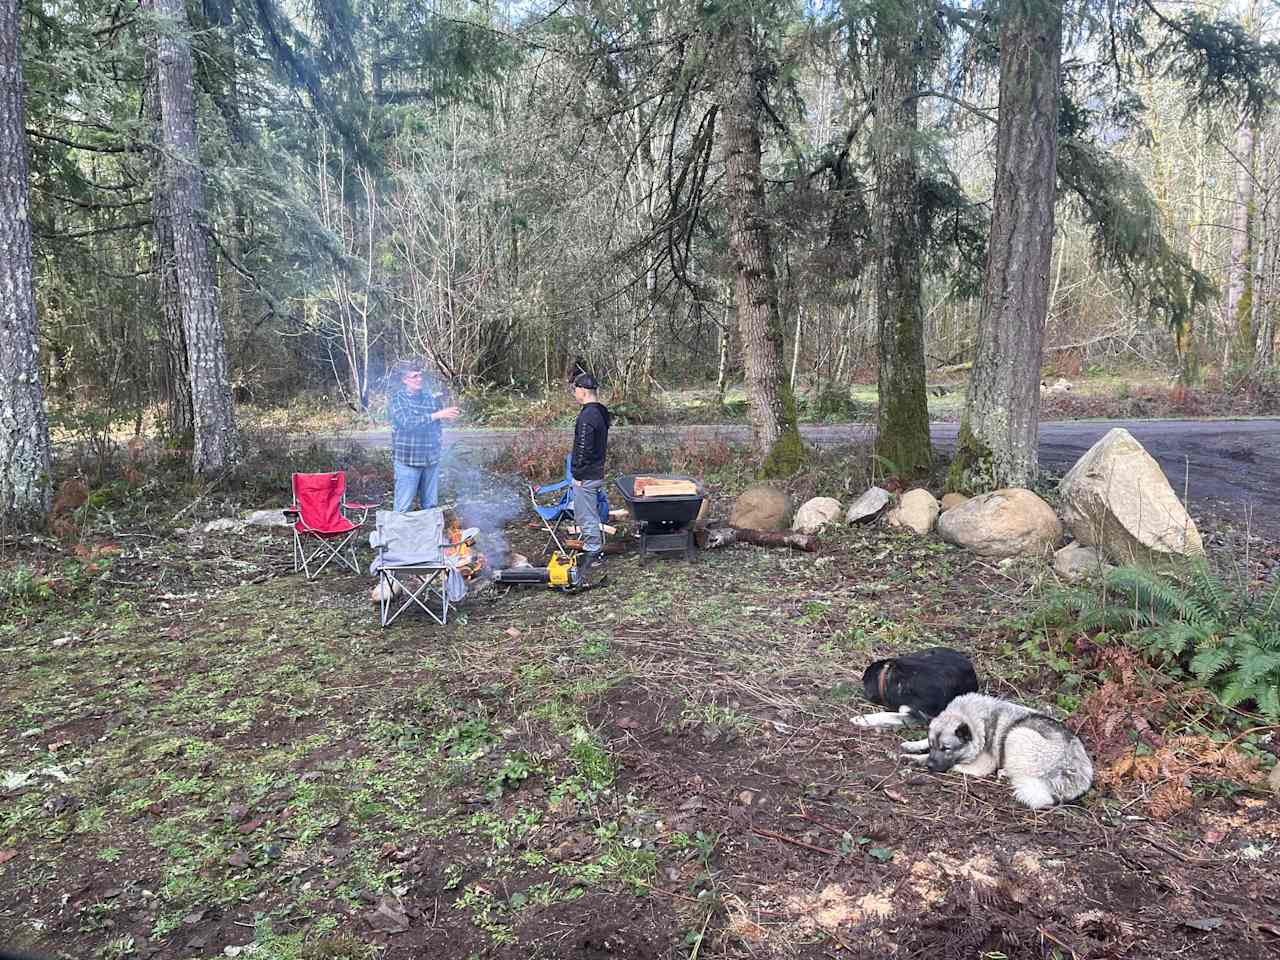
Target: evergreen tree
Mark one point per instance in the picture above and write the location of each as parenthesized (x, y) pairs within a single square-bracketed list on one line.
[(25, 489)]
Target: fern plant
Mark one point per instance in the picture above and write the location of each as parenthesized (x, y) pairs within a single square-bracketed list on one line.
[(1191, 623)]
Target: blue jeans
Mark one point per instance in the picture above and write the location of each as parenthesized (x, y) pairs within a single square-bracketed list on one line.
[(422, 482), (586, 512)]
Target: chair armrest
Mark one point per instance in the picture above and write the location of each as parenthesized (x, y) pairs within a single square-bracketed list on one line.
[(364, 509), (551, 487)]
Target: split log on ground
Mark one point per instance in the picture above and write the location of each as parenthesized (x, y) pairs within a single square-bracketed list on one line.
[(715, 537)]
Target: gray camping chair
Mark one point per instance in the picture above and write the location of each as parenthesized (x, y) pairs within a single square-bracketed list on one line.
[(412, 567)]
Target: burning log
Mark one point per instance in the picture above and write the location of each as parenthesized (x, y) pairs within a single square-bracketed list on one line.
[(463, 549), (714, 538)]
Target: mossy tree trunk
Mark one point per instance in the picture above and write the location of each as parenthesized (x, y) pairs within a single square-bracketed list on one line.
[(217, 445), (25, 485), (999, 430), (902, 426), (773, 409)]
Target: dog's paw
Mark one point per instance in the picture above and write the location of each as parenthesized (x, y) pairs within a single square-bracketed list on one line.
[(917, 758), (915, 746)]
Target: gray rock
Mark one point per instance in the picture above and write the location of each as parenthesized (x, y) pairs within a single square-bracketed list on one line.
[(1075, 562), (868, 506), (917, 510), (267, 518), (224, 525), (815, 514), (1117, 498)]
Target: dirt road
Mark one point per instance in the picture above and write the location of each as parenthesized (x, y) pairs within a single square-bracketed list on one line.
[(1225, 466)]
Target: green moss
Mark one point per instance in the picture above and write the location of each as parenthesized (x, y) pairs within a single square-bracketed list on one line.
[(973, 468), (788, 454)]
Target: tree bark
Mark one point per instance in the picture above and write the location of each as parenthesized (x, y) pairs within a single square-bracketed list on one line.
[(175, 384), (999, 431), (773, 409), (216, 445), (25, 460), (1237, 328), (902, 425)]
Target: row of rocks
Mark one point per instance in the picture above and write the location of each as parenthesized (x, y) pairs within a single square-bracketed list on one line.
[(1116, 503)]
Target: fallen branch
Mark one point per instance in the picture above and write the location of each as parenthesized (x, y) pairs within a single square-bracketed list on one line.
[(760, 832), (713, 538)]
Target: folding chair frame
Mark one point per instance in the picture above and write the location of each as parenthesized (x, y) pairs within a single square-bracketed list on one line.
[(329, 546), (564, 507), (432, 587), (552, 526)]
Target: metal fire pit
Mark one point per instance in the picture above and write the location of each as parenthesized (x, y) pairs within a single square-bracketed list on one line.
[(666, 523)]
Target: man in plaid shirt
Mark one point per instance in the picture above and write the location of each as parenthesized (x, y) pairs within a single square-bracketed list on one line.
[(416, 440)]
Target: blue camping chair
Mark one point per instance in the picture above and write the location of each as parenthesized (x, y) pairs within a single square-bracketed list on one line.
[(556, 513)]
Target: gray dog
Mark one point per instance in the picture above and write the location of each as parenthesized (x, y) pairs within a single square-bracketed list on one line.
[(1044, 762)]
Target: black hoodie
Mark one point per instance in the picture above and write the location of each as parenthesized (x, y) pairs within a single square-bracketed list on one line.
[(590, 438)]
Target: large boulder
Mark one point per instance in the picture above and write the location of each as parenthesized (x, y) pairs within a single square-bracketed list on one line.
[(869, 505), (1004, 523), (815, 514), (1117, 498), (917, 510), (1075, 562), (950, 500), (761, 507)]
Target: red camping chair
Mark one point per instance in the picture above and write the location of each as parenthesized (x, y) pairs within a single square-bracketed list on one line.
[(321, 525)]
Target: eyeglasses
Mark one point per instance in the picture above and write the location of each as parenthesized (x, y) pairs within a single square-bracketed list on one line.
[(413, 376)]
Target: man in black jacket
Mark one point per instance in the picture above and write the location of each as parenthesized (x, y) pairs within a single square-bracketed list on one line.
[(590, 439)]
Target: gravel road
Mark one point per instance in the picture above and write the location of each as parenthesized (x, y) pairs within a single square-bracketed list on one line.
[(1230, 466)]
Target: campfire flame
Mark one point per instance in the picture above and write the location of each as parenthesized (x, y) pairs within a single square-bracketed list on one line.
[(471, 560)]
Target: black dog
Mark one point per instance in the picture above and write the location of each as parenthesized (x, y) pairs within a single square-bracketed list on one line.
[(918, 686)]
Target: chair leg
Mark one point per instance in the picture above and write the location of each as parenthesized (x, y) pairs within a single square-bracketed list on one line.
[(419, 597), (330, 552)]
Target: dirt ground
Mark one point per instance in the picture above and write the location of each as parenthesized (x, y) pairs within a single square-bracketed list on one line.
[(205, 755)]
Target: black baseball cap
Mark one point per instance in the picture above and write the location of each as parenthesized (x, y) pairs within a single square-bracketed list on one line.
[(586, 381)]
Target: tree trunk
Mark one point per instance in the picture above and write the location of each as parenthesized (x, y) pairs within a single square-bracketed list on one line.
[(25, 461), (175, 385), (773, 408), (216, 444), (999, 432), (1265, 302), (902, 426), (1237, 327)]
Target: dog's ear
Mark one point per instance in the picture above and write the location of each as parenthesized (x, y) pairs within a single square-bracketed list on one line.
[(964, 733)]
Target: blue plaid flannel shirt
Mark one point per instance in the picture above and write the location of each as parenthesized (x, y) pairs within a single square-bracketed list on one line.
[(415, 437)]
